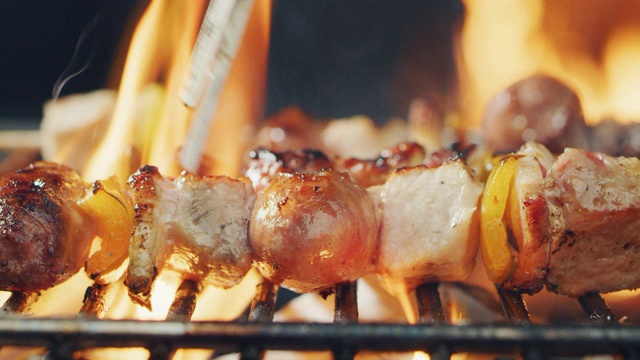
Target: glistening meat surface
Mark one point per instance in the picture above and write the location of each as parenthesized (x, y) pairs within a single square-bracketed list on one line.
[(45, 235), (312, 231)]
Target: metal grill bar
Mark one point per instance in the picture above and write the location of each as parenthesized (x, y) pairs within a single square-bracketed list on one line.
[(557, 340), (431, 313), (264, 303), (262, 311), (94, 303), (345, 312), (18, 302), (429, 305), (513, 306), (346, 305), (184, 302), (597, 309)]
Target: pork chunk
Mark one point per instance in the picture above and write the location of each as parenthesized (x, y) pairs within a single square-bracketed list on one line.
[(429, 223), (594, 204)]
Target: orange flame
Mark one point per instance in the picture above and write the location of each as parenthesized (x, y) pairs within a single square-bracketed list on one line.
[(591, 47)]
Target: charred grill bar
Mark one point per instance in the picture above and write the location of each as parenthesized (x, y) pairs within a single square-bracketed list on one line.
[(256, 332), (557, 340)]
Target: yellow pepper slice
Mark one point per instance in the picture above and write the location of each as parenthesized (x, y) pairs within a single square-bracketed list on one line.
[(497, 255), (113, 215)]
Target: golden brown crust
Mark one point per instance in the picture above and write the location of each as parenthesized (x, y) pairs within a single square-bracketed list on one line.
[(44, 235), (264, 164), (310, 232), (372, 172)]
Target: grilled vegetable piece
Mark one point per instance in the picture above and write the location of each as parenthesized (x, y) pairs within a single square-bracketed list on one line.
[(429, 223), (528, 218), (194, 225), (497, 254), (312, 231), (515, 220), (45, 236), (112, 212)]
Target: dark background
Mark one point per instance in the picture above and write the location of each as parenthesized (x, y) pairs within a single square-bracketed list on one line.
[(37, 44), (332, 58)]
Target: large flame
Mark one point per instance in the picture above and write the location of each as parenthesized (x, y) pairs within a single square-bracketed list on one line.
[(591, 46), (156, 63)]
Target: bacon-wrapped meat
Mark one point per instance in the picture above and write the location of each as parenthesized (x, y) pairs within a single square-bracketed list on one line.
[(194, 225), (372, 172)]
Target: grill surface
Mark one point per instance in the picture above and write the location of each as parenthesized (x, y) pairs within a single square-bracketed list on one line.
[(254, 332)]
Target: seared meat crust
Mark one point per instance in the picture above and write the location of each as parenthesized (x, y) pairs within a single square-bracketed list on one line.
[(45, 236)]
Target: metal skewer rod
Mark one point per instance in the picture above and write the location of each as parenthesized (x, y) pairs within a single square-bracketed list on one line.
[(184, 303), (596, 309), (18, 302), (515, 309), (346, 305), (429, 304)]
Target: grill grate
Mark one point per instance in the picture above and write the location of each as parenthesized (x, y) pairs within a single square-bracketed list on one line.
[(255, 331)]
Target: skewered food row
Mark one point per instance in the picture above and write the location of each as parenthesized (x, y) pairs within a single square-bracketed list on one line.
[(540, 217), (199, 226)]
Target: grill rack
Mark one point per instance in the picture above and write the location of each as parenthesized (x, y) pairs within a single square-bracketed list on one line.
[(254, 332)]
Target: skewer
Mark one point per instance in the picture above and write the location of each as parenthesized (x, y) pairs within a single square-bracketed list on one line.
[(18, 302), (184, 303), (346, 305), (429, 304), (596, 309), (513, 306)]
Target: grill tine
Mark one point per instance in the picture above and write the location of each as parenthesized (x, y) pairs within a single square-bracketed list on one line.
[(429, 304), (346, 305), (431, 313), (513, 306), (264, 303), (184, 302), (346, 311), (94, 304), (597, 309), (19, 302), (263, 308)]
